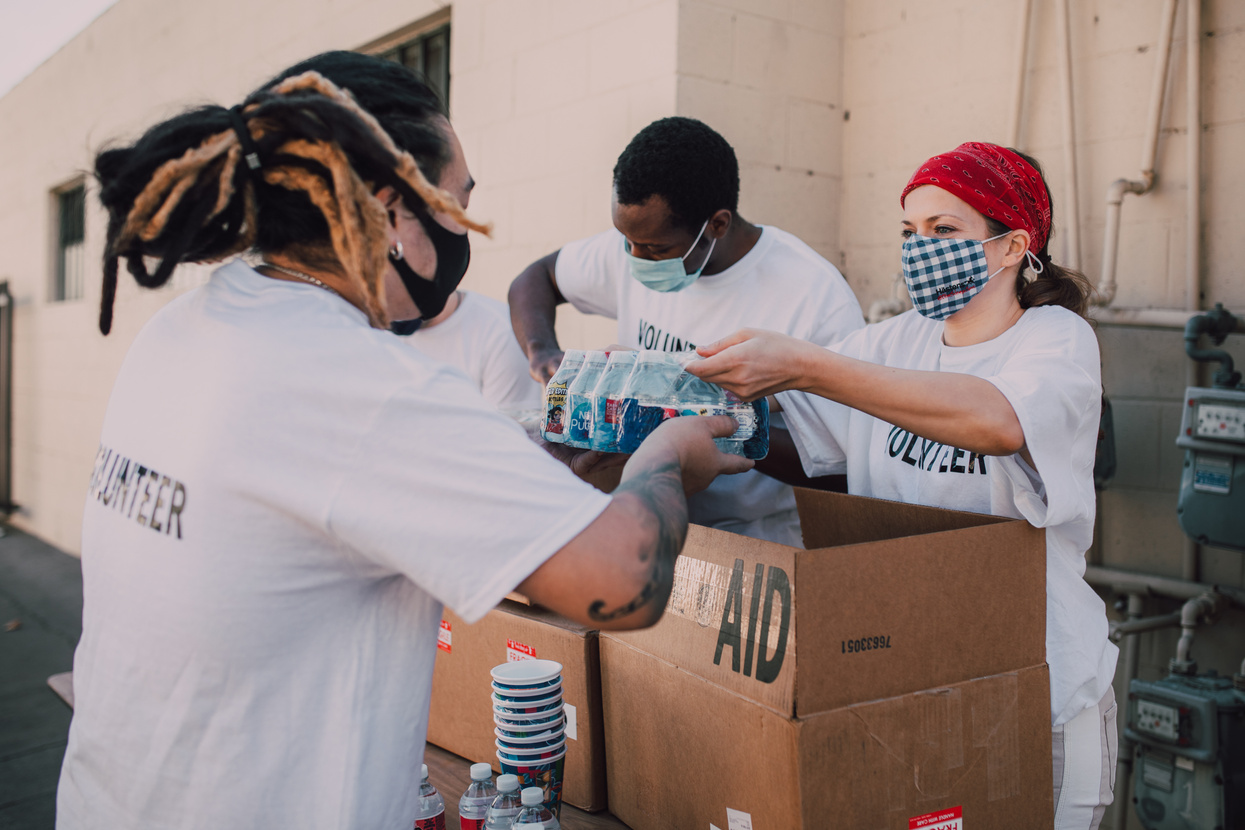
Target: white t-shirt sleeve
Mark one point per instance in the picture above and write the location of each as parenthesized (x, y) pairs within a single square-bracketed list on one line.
[(506, 382), (588, 270), (505, 377), (1053, 384), (453, 495), (819, 426), (839, 320)]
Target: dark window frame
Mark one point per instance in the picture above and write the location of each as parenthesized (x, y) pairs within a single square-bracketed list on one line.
[(69, 242), (424, 47)]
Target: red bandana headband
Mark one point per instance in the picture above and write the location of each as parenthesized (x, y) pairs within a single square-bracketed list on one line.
[(995, 181)]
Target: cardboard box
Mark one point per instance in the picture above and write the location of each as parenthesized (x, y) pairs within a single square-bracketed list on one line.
[(889, 599), (685, 752), (461, 717)]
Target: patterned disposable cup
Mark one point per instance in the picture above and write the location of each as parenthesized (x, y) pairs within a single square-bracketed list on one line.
[(544, 716), (523, 674), (544, 737), (546, 774), (531, 753), (551, 738), (506, 693), (528, 707), (528, 730)]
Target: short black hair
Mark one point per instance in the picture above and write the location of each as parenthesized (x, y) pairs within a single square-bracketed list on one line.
[(685, 162)]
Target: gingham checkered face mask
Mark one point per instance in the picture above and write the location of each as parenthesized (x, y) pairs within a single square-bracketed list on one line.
[(944, 274)]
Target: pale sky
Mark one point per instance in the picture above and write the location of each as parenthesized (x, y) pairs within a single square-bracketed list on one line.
[(32, 30)]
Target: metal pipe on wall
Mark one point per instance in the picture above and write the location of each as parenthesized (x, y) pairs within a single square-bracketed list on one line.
[(1119, 187), (1071, 228), (1022, 68), (1191, 555), (1119, 631), (1193, 87), (1158, 318), (1124, 758), (1129, 582), (1199, 610)]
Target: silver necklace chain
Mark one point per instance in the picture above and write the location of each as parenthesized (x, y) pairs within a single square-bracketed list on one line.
[(301, 276)]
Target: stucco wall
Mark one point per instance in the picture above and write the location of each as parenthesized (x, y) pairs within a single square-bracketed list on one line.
[(544, 97), (768, 76), (140, 61)]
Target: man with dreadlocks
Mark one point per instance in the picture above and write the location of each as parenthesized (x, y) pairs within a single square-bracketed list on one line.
[(286, 494)]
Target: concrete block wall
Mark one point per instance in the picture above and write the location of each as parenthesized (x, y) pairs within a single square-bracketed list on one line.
[(896, 117), (768, 76), (544, 96)]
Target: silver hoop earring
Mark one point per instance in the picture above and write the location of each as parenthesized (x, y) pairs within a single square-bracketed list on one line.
[(396, 253)]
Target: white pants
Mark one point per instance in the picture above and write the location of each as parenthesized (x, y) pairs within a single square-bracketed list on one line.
[(1085, 750)]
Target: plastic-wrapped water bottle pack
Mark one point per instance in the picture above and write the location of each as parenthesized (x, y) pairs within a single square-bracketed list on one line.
[(612, 401)]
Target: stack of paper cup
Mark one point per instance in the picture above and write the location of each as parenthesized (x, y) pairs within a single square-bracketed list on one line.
[(531, 726)]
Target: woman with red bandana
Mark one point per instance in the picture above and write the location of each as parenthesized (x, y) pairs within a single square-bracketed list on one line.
[(984, 397)]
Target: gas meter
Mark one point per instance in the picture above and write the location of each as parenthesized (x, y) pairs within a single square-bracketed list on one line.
[(1189, 730), (1190, 761), (1211, 508)]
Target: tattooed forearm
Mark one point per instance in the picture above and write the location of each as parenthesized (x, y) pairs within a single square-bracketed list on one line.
[(661, 506)]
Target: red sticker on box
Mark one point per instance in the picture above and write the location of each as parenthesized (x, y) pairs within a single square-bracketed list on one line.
[(950, 819), (445, 637), (517, 651)]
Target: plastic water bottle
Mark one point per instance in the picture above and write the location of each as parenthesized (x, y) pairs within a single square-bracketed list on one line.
[(579, 400), (534, 816), (607, 400), (648, 398), (506, 806), (757, 445), (553, 427), (473, 806), (699, 397), (430, 808)]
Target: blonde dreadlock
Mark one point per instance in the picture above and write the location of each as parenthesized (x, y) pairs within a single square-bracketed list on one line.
[(201, 205)]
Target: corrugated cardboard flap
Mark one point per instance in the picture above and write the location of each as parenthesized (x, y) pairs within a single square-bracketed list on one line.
[(897, 615), (983, 745), (682, 751), (725, 622), (835, 519)]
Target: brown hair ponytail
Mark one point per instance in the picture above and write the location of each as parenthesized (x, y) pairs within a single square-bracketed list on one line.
[(1056, 285)]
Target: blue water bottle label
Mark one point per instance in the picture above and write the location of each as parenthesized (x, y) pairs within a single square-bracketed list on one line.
[(580, 426)]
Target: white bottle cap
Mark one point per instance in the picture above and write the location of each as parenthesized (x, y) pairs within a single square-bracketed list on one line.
[(533, 796), (507, 783), (481, 772), (423, 771)]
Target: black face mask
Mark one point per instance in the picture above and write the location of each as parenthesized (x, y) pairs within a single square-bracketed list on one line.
[(453, 255)]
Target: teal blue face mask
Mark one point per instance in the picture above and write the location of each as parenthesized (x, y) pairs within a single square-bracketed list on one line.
[(668, 274)]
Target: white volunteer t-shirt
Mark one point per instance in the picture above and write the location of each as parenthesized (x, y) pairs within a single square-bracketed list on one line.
[(1047, 366), (283, 500), (781, 284), (478, 339)]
